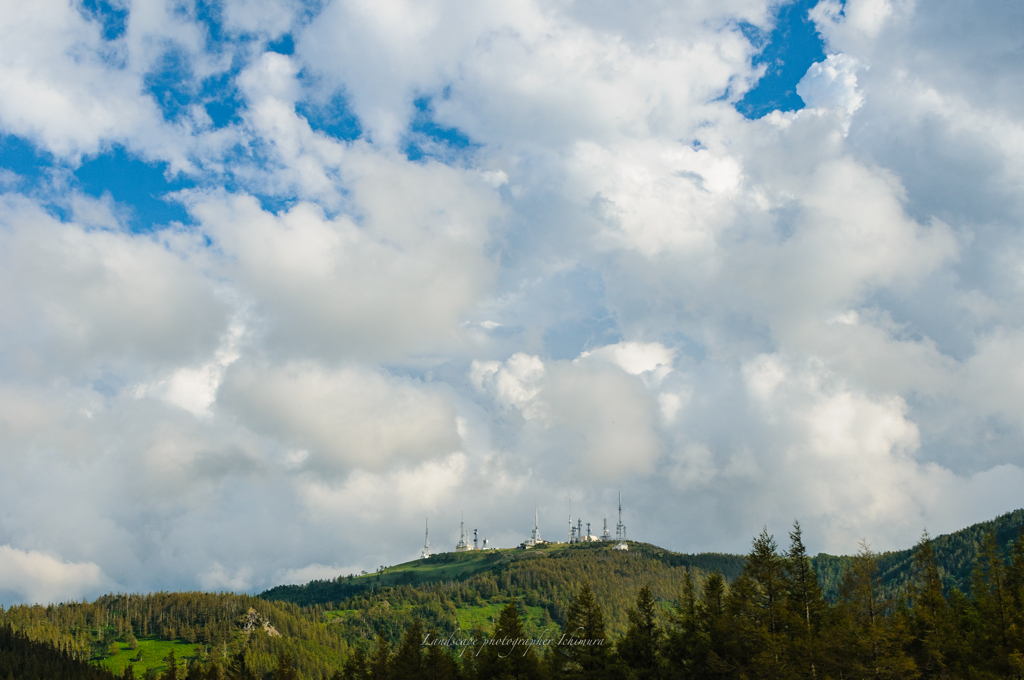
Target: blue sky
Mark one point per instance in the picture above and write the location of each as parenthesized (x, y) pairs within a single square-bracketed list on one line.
[(281, 279)]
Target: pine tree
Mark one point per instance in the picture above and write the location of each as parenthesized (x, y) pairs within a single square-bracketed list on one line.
[(583, 642), (685, 644), (506, 655), (994, 606), (408, 660), (355, 667), (439, 664), (930, 619), (805, 602), (761, 593), (639, 647), (238, 669), (380, 660), (285, 669), (868, 643), (172, 667)]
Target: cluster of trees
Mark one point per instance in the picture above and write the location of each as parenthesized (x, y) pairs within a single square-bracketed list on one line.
[(549, 580), (210, 621), (604, 614), (772, 622), (26, 659)]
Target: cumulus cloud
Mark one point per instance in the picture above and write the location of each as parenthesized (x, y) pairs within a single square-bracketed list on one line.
[(39, 577), (546, 256), (345, 419)]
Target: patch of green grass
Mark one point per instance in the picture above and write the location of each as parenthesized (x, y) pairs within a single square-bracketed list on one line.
[(486, 616), (150, 654), (334, 614)]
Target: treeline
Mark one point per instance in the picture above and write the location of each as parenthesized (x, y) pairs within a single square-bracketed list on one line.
[(22, 658), (211, 621), (955, 557), (772, 622), (548, 580)]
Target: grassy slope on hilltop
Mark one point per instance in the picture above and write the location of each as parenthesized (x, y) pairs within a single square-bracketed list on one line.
[(954, 554)]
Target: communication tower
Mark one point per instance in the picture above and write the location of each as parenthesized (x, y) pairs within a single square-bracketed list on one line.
[(462, 546), (606, 535), (570, 520), (426, 540), (620, 530)]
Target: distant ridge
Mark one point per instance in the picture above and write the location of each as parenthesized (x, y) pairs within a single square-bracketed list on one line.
[(954, 554)]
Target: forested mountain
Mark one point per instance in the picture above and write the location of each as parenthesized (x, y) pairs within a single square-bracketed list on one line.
[(951, 607), (954, 555)]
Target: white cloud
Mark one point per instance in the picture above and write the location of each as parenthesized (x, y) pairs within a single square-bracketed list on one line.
[(831, 83), (39, 577), (620, 281), (347, 419)]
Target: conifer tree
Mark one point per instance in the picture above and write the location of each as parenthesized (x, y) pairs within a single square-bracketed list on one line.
[(285, 669), (930, 618), (355, 667), (805, 602), (195, 671), (639, 647), (583, 642), (869, 644), (380, 661), (506, 656), (759, 598), (408, 660), (172, 667), (992, 600), (438, 664), (239, 669), (685, 642)]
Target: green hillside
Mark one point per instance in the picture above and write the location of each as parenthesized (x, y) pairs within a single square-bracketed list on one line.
[(459, 567), (954, 554), (323, 624)]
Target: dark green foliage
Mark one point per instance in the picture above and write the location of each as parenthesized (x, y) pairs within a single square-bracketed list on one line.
[(26, 659), (408, 661), (583, 648), (506, 656), (639, 647)]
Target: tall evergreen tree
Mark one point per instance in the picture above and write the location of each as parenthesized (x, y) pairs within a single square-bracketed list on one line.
[(582, 645), (805, 602), (355, 666), (239, 669), (993, 603), (506, 656), (380, 660), (758, 599), (408, 660), (172, 667), (438, 663), (930, 612), (686, 644), (639, 646), (285, 669), (866, 643)]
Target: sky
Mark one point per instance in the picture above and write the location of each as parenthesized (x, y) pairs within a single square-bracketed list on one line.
[(282, 279)]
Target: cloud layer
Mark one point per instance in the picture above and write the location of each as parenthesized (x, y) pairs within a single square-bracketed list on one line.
[(443, 257)]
